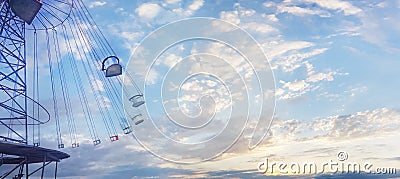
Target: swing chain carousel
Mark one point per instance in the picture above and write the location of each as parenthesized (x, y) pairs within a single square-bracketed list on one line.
[(51, 52)]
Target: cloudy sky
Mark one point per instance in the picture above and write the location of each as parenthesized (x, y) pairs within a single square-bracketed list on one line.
[(335, 65)]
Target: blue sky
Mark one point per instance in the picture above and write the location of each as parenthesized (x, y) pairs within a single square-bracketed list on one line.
[(335, 65), (342, 43)]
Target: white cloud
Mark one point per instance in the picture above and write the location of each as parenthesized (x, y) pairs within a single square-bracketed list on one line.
[(295, 60), (316, 77), (360, 124), (148, 10), (382, 4), (131, 36), (171, 59), (297, 85), (269, 4), (194, 90), (299, 11), (318, 141), (382, 22), (270, 17), (259, 27), (295, 8), (276, 48), (97, 3), (357, 90), (97, 84), (378, 122), (288, 140), (172, 1), (196, 5), (346, 7), (151, 77), (171, 10), (321, 76), (230, 16), (289, 60), (292, 89), (104, 103)]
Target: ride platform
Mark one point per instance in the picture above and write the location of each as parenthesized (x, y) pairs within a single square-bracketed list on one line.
[(17, 153)]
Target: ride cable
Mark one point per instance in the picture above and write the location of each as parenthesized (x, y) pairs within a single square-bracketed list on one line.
[(85, 42), (53, 90)]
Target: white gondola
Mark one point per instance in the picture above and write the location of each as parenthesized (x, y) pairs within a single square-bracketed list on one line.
[(96, 142), (114, 69), (137, 100), (127, 130), (138, 119), (114, 138), (26, 9), (125, 126), (60, 146)]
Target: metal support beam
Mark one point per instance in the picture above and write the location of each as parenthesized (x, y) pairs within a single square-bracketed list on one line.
[(44, 161), (55, 171), (12, 170), (40, 168), (27, 167), (13, 100)]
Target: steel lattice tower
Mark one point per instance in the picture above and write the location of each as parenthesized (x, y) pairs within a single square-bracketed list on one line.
[(13, 99), (43, 22), (16, 149)]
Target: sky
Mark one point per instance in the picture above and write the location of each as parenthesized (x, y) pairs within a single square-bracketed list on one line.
[(334, 65)]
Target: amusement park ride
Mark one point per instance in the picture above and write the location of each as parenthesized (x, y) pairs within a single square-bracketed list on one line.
[(45, 42)]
